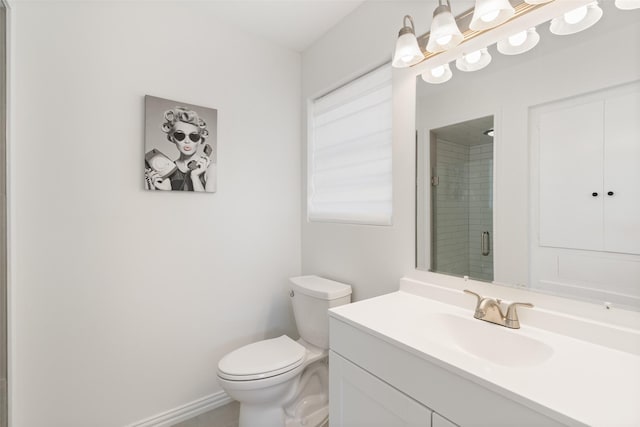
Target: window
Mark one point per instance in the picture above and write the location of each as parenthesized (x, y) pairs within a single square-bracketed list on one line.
[(349, 152)]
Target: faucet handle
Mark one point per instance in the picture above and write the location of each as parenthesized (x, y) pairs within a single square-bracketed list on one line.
[(511, 319), (480, 298)]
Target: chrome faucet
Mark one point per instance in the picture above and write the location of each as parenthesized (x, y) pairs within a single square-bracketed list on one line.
[(489, 310)]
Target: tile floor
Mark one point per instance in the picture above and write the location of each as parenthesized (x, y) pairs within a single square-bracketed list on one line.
[(224, 416)]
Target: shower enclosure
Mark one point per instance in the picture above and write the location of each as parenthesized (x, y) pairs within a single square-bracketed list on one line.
[(461, 162)]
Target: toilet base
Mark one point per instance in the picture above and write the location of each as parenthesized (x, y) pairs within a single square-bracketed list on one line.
[(310, 406), (304, 402), (320, 418), (268, 416), (261, 415)]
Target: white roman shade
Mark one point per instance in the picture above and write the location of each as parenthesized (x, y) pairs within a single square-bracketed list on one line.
[(349, 152)]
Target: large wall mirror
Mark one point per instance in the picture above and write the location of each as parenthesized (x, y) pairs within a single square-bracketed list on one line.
[(529, 169)]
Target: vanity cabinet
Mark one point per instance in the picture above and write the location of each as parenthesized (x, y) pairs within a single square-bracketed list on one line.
[(374, 382), (590, 171), (439, 421), (361, 399)]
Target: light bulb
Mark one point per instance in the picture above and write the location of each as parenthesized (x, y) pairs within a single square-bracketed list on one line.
[(474, 61), (576, 15), (437, 75), (444, 33), (407, 51), (490, 13), (488, 17), (407, 57), (473, 57), (518, 39), (444, 39), (628, 4), (438, 71), (576, 20), (519, 43)]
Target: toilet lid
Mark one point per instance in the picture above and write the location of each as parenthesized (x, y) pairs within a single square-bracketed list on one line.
[(262, 359)]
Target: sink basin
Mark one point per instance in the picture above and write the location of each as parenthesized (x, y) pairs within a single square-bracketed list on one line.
[(494, 343)]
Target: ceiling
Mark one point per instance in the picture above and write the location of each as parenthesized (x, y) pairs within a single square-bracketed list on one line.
[(294, 24), (468, 133)]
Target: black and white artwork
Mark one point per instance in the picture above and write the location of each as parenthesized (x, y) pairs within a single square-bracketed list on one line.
[(180, 146)]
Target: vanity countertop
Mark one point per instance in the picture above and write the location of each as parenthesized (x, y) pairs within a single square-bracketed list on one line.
[(564, 378)]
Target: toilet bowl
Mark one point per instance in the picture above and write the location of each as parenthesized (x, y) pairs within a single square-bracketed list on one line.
[(280, 382)]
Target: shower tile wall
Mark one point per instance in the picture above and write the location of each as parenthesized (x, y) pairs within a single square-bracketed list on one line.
[(463, 209), (452, 209), (480, 210)]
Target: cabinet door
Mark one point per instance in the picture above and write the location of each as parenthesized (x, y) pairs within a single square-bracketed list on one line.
[(622, 174), (571, 145), (359, 399), (438, 421)]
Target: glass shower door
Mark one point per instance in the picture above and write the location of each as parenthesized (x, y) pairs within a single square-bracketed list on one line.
[(461, 158)]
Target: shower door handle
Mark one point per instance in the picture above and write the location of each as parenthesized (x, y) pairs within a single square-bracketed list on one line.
[(485, 243)]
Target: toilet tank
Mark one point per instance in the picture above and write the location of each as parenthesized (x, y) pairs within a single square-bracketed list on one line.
[(311, 297)]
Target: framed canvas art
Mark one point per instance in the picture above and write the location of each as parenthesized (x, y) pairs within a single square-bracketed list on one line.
[(180, 146)]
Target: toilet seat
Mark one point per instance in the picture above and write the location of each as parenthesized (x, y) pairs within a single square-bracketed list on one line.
[(262, 359)]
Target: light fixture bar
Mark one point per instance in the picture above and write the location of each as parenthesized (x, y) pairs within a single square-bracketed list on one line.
[(526, 18), (464, 19)]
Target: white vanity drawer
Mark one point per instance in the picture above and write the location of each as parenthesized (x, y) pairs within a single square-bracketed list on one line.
[(362, 400)]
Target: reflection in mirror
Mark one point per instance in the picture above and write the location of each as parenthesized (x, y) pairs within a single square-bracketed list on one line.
[(461, 164), (566, 190)]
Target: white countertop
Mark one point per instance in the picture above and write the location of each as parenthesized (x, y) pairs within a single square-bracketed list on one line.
[(585, 382)]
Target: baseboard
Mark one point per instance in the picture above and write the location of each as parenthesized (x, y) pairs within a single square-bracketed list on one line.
[(184, 412)]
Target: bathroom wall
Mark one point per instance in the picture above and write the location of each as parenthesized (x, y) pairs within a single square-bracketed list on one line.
[(373, 258), (370, 258), (124, 300)]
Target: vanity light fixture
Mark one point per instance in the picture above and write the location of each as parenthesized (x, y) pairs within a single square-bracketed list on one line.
[(628, 4), (437, 75), (519, 43), (490, 13), (576, 20), (487, 14), (407, 51), (474, 61), (445, 33)]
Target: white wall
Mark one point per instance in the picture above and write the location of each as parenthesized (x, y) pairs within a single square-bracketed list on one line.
[(370, 258), (124, 300), (373, 258)]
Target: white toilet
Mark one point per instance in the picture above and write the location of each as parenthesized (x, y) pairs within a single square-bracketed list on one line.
[(280, 382)]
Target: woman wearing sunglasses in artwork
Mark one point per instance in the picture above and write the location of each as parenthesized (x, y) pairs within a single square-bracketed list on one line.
[(188, 132)]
